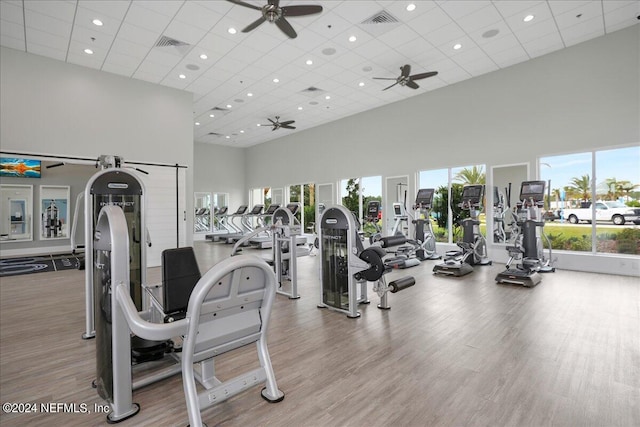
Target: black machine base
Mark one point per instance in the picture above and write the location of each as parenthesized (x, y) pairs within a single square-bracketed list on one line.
[(453, 269), (525, 278)]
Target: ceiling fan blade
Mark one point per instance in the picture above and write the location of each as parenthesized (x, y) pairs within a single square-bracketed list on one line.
[(405, 70), (384, 78), (389, 87), (288, 122), (288, 127), (423, 75), (254, 24), (301, 10), (272, 122), (286, 28), (241, 3), (269, 124), (412, 84)]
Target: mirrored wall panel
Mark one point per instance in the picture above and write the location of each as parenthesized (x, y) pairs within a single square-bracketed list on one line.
[(505, 195), (54, 212), (202, 206), (16, 213)]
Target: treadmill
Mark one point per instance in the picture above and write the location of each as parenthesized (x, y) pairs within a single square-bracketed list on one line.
[(246, 224), (300, 239), (230, 225), (261, 240)]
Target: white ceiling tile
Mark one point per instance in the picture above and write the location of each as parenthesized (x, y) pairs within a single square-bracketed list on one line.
[(46, 39), (342, 39), (508, 8), (215, 43), (460, 8), (85, 17), (540, 11), (355, 11), (122, 60), (47, 51), (398, 36), (371, 48), (110, 8), (622, 17), (198, 15), (263, 42), (164, 7), (445, 35), (592, 27), (221, 7), (430, 21), (328, 24), (399, 9), (184, 32), (162, 59), (91, 38), (118, 69), (536, 31), (11, 42), (481, 18), (510, 56), (11, 29), (245, 54), (543, 45), (10, 12), (138, 35), (144, 18), (60, 10), (500, 44), (579, 15), (611, 5), (90, 61), (579, 38), (132, 49), (47, 23), (502, 28)]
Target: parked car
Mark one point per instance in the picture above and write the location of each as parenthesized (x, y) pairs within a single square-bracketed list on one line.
[(616, 212)]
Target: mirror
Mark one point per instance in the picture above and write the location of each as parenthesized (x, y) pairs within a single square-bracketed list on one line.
[(54, 212), (202, 206), (220, 203), (16, 213), (397, 188), (506, 179), (324, 199), (277, 196)]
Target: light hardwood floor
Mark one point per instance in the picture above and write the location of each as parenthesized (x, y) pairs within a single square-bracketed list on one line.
[(450, 352)]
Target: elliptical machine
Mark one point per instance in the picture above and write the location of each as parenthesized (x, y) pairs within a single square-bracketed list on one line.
[(473, 243), (422, 223), (528, 246)]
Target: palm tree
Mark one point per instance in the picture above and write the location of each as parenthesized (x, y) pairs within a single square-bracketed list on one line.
[(625, 187), (612, 189), (475, 175), (581, 186)]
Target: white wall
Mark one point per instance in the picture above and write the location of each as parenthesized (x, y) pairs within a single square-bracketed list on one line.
[(580, 98), (51, 107)]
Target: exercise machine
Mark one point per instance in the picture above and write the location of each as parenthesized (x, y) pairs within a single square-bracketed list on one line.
[(228, 308), (247, 225), (346, 267), (528, 247), (423, 225), (284, 232), (473, 244), (114, 185), (51, 224), (228, 223)]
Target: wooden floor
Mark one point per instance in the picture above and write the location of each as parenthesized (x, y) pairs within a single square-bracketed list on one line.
[(450, 352)]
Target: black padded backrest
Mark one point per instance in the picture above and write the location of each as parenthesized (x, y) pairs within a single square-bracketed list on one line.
[(180, 273)]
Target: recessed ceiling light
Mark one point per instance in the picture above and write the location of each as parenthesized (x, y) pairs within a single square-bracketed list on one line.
[(182, 76), (227, 137), (528, 18), (197, 123), (249, 94), (232, 30), (97, 22), (457, 46), (327, 97), (299, 108), (212, 115), (361, 84), (88, 51), (353, 38), (276, 80), (309, 62), (258, 124), (411, 7), (241, 131), (229, 106), (203, 56)]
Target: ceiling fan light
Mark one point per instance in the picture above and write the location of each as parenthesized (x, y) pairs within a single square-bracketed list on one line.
[(232, 30)]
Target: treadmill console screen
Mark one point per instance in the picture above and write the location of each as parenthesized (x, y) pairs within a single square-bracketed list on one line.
[(293, 207), (272, 208), (373, 209)]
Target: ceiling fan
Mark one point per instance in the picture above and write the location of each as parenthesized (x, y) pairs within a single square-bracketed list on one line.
[(405, 79), (273, 13), (277, 124)]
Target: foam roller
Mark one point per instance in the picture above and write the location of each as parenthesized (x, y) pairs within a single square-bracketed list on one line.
[(393, 241), (403, 283)]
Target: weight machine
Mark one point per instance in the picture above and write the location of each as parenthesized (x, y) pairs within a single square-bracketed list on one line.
[(346, 267), (528, 246), (228, 308)]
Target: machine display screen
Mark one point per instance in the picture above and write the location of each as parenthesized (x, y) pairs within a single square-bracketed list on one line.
[(472, 193), (425, 196), (532, 190)]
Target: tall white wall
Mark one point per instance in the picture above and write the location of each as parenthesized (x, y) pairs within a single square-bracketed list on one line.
[(581, 98), (51, 107)]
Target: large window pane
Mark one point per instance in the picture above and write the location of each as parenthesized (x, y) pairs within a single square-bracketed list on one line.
[(617, 195), (569, 179)]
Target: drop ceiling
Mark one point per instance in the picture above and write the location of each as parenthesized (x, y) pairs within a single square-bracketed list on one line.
[(322, 75)]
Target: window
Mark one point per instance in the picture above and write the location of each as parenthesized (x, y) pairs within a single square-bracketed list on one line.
[(305, 195), (356, 193)]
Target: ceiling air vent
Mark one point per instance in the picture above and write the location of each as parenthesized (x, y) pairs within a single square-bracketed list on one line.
[(173, 44), (379, 23)]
